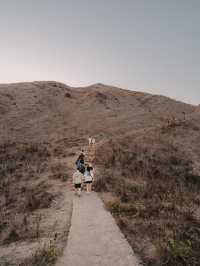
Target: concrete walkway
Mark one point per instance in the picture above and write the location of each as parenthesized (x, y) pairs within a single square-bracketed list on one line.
[(94, 238)]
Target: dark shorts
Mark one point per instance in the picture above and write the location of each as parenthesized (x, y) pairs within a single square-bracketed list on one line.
[(77, 185), (88, 182)]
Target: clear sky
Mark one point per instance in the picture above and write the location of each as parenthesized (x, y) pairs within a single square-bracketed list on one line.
[(146, 45)]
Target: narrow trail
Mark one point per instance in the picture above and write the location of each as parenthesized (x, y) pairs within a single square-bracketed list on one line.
[(94, 238)]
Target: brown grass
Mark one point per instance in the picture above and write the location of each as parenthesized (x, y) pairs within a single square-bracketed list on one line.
[(154, 181), (59, 172), (45, 255), (155, 198), (30, 191), (20, 196)]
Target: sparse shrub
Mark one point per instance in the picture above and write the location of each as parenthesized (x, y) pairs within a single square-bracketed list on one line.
[(38, 221), (18, 158), (45, 256), (180, 253), (2, 226), (65, 177), (59, 172), (195, 179), (101, 97), (72, 153), (36, 199), (118, 208), (12, 237), (68, 95), (59, 151), (100, 184), (114, 206)]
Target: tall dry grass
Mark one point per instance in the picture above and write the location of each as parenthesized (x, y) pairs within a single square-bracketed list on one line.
[(155, 198)]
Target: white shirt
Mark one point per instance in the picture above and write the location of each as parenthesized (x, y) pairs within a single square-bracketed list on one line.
[(77, 177)]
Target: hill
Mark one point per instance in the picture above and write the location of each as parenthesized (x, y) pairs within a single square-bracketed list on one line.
[(148, 162), (49, 111)]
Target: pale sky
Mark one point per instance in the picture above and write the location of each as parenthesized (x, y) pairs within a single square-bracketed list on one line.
[(145, 45)]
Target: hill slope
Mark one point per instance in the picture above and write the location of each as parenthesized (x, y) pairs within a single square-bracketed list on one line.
[(148, 161), (50, 111)]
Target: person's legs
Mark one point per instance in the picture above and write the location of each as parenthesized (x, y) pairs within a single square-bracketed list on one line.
[(78, 189), (79, 192), (87, 187)]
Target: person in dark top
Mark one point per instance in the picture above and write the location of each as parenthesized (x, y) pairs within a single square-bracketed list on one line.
[(80, 163)]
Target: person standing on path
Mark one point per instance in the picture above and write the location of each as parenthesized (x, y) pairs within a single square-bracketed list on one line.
[(93, 141), (80, 161), (88, 178), (77, 179), (90, 141)]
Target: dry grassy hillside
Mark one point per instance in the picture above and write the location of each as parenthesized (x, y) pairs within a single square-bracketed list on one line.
[(149, 164), (151, 183), (49, 111)]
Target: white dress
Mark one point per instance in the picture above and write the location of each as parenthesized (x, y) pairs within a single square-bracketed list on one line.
[(88, 176)]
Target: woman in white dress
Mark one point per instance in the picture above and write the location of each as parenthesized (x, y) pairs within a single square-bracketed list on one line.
[(89, 176)]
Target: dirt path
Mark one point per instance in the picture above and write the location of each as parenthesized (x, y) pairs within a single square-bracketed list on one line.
[(94, 237)]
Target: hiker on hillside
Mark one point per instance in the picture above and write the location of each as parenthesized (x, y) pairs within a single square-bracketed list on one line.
[(77, 181), (90, 141), (88, 175), (80, 160), (82, 153), (93, 141), (80, 163)]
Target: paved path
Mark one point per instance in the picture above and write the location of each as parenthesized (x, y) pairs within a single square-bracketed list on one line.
[(94, 238)]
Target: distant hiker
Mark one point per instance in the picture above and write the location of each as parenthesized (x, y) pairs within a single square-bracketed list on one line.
[(82, 153), (88, 178), (93, 141), (77, 181), (90, 141)]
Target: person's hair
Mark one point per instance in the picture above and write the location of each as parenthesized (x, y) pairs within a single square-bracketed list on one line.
[(81, 156), (88, 168)]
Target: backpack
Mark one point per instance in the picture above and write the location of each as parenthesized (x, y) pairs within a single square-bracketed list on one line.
[(81, 168), (77, 163)]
